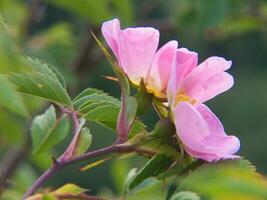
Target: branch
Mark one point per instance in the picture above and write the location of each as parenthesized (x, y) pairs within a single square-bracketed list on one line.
[(62, 164)]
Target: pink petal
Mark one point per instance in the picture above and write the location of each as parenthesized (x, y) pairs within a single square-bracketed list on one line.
[(111, 31), (229, 144), (185, 62), (137, 49), (159, 72), (202, 133), (190, 125), (172, 87), (208, 79), (133, 47)]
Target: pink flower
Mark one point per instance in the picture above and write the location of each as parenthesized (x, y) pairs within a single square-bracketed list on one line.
[(199, 130), (136, 52)]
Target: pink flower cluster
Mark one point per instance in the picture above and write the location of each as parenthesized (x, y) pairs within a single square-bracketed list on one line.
[(173, 73)]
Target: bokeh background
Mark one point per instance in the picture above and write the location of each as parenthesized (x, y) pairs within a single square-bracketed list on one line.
[(58, 32)]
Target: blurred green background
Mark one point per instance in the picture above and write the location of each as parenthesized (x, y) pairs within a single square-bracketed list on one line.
[(58, 32)]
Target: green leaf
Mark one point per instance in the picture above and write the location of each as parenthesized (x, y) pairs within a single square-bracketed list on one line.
[(10, 99), (137, 127), (47, 130), (97, 106), (119, 170), (185, 195), (49, 197), (40, 85), (84, 141), (39, 66), (92, 95), (40, 80), (69, 189), (150, 189), (226, 180), (156, 165), (105, 115)]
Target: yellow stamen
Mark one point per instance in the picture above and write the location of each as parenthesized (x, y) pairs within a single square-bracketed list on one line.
[(181, 96)]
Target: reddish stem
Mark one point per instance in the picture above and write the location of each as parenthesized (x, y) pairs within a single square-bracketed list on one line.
[(61, 164), (67, 157)]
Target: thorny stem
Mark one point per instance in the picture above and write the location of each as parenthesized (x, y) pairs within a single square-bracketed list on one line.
[(62, 164), (66, 159)]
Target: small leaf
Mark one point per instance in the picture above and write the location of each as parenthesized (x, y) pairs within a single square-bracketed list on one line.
[(97, 106), (119, 170), (49, 197), (48, 131), (137, 127), (69, 189), (156, 165), (185, 195), (149, 189), (41, 80), (84, 141), (44, 68), (87, 92)]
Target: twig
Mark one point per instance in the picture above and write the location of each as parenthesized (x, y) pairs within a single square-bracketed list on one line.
[(62, 164), (67, 157)]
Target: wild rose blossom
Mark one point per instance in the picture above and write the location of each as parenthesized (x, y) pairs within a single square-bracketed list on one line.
[(137, 55), (199, 130), (174, 73)]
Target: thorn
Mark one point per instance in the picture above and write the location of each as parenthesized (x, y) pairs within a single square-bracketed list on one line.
[(54, 160)]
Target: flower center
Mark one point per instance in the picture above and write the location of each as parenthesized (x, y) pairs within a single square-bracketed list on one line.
[(181, 96)]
